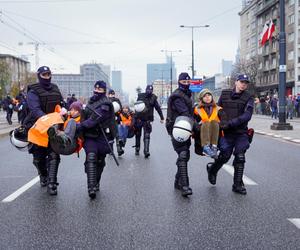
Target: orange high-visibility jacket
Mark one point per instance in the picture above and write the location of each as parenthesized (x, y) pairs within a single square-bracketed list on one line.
[(126, 121), (204, 116), (37, 134)]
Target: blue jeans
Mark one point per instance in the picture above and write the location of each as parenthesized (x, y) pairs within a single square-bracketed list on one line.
[(274, 113), (123, 132)]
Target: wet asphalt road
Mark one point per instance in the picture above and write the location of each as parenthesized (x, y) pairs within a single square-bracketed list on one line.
[(138, 208)]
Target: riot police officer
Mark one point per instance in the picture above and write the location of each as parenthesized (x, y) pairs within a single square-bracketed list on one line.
[(238, 105), (98, 127), (117, 109), (180, 105), (42, 98), (144, 118), (8, 106)]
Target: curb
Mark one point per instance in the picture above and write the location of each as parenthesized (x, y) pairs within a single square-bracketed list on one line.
[(285, 138)]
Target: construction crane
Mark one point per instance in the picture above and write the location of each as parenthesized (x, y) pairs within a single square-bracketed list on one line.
[(37, 45)]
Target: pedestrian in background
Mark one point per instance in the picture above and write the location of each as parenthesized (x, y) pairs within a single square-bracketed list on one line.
[(274, 106), (289, 107)]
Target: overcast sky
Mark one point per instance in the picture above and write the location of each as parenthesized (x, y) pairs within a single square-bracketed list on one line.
[(133, 33)]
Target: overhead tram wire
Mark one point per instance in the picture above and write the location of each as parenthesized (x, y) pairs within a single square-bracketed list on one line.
[(58, 26), (36, 40)]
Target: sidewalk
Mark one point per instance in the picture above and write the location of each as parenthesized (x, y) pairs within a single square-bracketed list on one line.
[(5, 128), (262, 125)]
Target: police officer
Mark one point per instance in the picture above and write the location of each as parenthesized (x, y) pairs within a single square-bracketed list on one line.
[(180, 104), (98, 125), (116, 103), (8, 106), (238, 105), (143, 119), (42, 98)]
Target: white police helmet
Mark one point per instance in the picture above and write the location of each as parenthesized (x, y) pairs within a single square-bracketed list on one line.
[(18, 138), (139, 106), (117, 106), (182, 128)]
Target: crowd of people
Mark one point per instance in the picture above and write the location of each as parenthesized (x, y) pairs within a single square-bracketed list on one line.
[(53, 126), (269, 105)]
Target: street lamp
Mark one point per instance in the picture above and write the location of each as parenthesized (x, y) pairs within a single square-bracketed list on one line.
[(162, 81), (193, 27), (171, 62)]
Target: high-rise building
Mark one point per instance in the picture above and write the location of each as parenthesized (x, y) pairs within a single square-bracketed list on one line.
[(116, 79), (254, 15), (19, 69), (226, 67), (161, 71), (82, 85)]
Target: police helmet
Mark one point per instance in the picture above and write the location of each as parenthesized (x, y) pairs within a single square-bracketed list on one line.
[(117, 106), (18, 138), (139, 106), (182, 128)]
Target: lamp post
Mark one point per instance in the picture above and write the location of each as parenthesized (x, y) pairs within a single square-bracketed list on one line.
[(171, 62), (192, 27), (162, 82), (282, 125)]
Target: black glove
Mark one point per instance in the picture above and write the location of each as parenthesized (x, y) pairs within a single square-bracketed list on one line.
[(224, 124)]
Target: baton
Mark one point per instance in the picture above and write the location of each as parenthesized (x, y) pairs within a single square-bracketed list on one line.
[(103, 133)]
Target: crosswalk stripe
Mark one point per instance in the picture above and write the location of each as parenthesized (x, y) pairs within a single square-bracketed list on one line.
[(247, 181), (295, 221)]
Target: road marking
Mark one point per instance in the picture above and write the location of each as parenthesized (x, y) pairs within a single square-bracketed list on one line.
[(21, 190), (295, 221), (247, 180)]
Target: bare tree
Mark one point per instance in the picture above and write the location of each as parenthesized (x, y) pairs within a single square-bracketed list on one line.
[(4, 78), (248, 67)]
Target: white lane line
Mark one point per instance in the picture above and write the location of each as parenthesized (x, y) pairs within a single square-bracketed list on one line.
[(295, 221), (230, 170), (21, 190)]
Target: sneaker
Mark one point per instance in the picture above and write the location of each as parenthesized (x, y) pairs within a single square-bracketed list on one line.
[(214, 149), (208, 151)]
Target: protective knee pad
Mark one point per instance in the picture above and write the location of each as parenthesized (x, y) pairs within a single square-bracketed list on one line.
[(147, 136), (183, 156), (91, 169), (53, 162), (222, 159), (40, 165), (239, 158)]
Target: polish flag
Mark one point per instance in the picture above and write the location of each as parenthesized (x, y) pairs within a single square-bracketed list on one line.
[(267, 32)]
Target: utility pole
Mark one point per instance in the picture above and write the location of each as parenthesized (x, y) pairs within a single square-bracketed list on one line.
[(282, 125)]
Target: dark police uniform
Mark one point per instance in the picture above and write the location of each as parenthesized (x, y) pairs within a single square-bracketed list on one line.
[(8, 106), (143, 120), (117, 119), (42, 100), (93, 125), (180, 104), (238, 108)]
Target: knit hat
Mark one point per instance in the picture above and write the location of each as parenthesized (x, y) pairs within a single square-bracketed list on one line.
[(76, 105), (100, 84), (111, 92), (184, 76), (203, 93)]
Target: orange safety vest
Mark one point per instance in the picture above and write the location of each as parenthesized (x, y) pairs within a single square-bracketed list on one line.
[(77, 120), (204, 116), (37, 134), (126, 121)]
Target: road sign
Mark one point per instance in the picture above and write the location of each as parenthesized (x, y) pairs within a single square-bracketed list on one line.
[(196, 88)]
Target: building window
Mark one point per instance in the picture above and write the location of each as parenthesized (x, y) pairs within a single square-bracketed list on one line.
[(291, 55), (291, 2), (291, 19), (291, 37)]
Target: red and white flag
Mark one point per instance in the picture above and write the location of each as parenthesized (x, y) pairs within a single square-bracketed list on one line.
[(267, 32)]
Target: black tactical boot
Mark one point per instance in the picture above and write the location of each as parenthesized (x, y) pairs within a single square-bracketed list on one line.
[(137, 145), (238, 185), (53, 162), (146, 147), (119, 148), (212, 170), (91, 172), (40, 165), (99, 170), (184, 180), (176, 182)]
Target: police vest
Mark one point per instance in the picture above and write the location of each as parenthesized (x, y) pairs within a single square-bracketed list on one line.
[(173, 114), (102, 125), (48, 98), (149, 103), (235, 107), (204, 116)]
